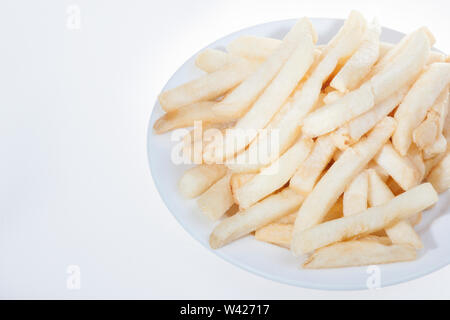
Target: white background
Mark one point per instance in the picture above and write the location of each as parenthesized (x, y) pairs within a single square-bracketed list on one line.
[(75, 188)]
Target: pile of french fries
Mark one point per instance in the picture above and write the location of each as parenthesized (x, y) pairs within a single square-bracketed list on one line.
[(362, 141)]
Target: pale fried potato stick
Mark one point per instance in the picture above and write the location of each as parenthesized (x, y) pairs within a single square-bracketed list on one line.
[(280, 231), (440, 174), (332, 116), (274, 176), (432, 58), (428, 136), (238, 180), (431, 163), (373, 219), (198, 179), (355, 196), (361, 252), (253, 47), (412, 111), (238, 102), (338, 176), (186, 116), (438, 147), (354, 21), (270, 101), (401, 169), (385, 47), (209, 86), (401, 232), (403, 68), (262, 213), (415, 155), (211, 60), (391, 52), (332, 97), (365, 122), (216, 201), (360, 63), (289, 219), (305, 98), (276, 233), (309, 171), (436, 57)]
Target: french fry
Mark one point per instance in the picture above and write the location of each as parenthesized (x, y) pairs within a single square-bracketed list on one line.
[(211, 60), (361, 252), (389, 52), (412, 111), (274, 176), (216, 201), (238, 101), (198, 179), (276, 233), (403, 68), (355, 21), (309, 171), (338, 176), (415, 155), (365, 122), (385, 47), (436, 57), (238, 180), (401, 232), (289, 219), (352, 131), (360, 63), (440, 175), (332, 97), (355, 196), (280, 232), (431, 163), (433, 57), (428, 136), (401, 169), (252, 47), (264, 150), (209, 86), (438, 147), (332, 116), (262, 213), (305, 98), (186, 116), (270, 101), (373, 219)]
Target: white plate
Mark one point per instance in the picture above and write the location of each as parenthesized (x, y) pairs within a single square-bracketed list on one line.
[(267, 260)]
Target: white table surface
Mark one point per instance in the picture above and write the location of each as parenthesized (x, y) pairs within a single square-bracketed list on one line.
[(75, 187)]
